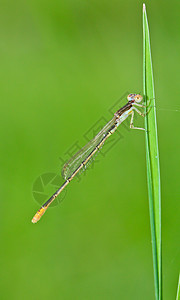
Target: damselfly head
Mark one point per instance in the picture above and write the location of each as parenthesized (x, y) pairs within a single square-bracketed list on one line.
[(135, 97), (130, 97)]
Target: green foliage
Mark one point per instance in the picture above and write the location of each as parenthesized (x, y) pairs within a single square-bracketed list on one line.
[(178, 290), (152, 158)]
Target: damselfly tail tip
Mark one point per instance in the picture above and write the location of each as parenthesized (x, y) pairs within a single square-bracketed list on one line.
[(34, 220), (38, 215)]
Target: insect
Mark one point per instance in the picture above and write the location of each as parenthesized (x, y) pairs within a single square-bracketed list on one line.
[(82, 157)]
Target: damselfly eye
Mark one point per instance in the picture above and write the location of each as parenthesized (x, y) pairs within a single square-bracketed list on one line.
[(138, 98), (131, 97)]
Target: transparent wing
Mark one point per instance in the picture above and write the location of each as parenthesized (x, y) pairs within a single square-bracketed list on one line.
[(80, 156)]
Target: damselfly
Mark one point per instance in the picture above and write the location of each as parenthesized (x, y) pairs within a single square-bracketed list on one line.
[(83, 156)]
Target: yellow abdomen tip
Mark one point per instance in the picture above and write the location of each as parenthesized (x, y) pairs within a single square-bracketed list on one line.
[(38, 215)]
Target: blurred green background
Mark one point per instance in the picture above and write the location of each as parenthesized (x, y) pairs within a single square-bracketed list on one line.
[(64, 64)]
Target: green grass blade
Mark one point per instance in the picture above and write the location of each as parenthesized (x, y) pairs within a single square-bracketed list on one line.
[(178, 290), (152, 159)]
